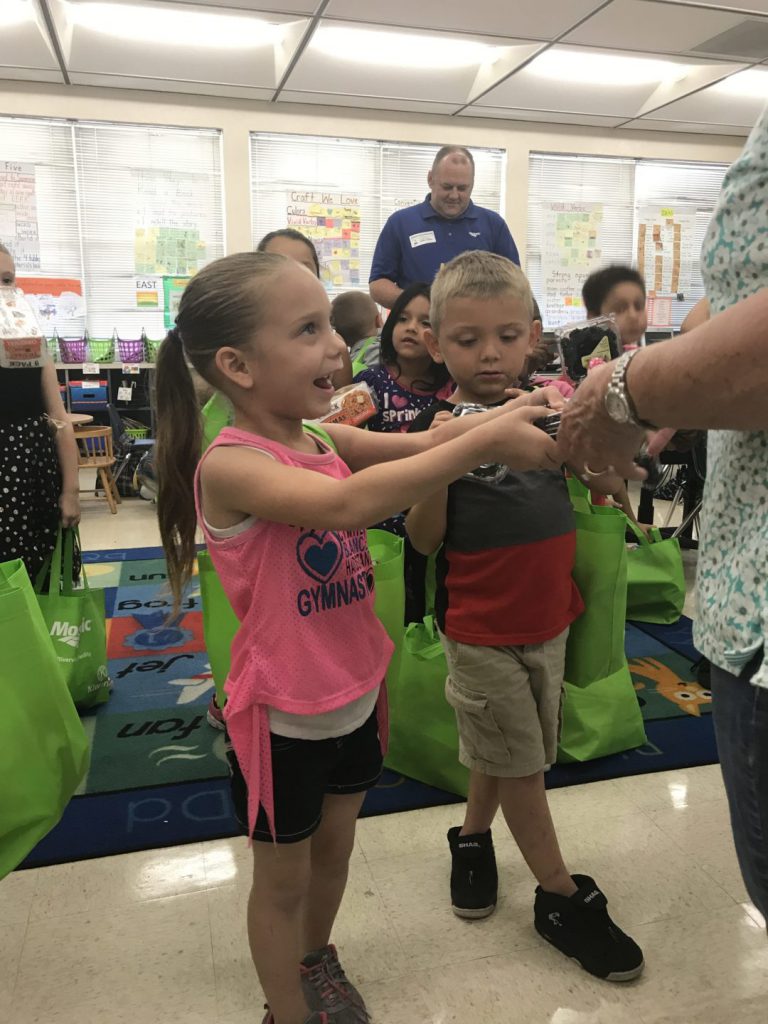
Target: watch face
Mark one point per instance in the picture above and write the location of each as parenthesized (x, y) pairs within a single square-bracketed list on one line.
[(617, 407)]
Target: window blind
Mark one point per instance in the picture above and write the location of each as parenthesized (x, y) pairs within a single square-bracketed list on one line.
[(165, 181), (623, 193), (43, 152), (302, 182), (686, 187), (569, 199), (316, 185)]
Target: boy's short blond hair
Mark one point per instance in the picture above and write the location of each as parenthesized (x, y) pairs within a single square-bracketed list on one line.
[(477, 275), (353, 316)]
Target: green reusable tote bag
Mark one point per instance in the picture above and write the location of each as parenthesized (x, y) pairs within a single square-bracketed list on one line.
[(655, 578), (220, 622), (217, 413), (600, 719), (423, 737), (43, 746), (389, 579), (76, 623), (596, 640)]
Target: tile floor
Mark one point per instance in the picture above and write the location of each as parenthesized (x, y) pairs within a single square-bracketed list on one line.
[(159, 937)]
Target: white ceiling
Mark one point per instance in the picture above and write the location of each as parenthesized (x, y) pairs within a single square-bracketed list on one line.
[(639, 64)]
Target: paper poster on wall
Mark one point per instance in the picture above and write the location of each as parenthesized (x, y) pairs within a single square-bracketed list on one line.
[(173, 288), (659, 311), (53, 298), (167, 236), (149, 293), (163, 250), (332, 221), (18, 213), (572, 250), (666, 248)]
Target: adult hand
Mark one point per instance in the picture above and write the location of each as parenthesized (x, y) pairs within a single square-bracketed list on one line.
[(69, 506), (590, 442)]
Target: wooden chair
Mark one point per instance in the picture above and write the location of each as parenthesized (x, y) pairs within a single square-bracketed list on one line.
[(94, 448)]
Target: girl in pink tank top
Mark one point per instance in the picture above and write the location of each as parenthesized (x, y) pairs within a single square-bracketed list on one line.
[(284, 517)]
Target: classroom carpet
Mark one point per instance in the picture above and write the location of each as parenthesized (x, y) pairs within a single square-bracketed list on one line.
[(158, 774)]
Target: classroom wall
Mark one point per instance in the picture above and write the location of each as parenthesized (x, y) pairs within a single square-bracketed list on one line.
[(236, 118)]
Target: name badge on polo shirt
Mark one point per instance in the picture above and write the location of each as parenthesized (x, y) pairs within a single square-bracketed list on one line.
[(422, 238)]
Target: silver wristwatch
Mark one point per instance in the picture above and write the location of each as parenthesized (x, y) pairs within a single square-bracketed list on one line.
[(618, 403)]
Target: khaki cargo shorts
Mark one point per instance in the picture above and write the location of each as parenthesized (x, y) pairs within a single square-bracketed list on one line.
[(508, 703)]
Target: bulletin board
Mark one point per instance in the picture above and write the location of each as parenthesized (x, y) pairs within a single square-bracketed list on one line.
[(573, 249), (18, 213), (332, 220)]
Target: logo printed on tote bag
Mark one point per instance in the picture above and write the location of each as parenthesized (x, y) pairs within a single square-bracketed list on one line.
[(70, 634)]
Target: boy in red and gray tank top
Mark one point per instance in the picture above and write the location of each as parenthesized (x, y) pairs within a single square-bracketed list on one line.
[(504, 603)]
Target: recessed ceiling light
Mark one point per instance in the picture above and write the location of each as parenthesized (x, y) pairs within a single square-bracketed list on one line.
[(400, 49), (582, 67), (752, 83), (174, 27), (16, 12)]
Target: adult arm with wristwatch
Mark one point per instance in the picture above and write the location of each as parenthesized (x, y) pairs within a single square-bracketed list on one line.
[(715, 377)]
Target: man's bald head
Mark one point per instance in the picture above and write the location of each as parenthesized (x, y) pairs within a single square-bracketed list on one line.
[(451, 180)]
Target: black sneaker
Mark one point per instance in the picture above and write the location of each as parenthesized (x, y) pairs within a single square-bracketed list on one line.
[(580, 927), (474, 879)]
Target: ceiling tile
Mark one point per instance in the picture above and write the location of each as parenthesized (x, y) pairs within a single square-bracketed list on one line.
[(747, 6), (302, 8), (529, 89), (231, 48), (717, 106), (368, 102), (167, 85), (651, 27), (684, 127), (545, 19), (545, 116), (326, 67), (24, 44), (31, 75)]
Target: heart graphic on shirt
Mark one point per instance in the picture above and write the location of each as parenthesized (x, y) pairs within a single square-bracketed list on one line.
[(399, 402), (319, 554)]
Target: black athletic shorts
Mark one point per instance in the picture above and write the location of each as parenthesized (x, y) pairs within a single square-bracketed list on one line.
[(303, 771)]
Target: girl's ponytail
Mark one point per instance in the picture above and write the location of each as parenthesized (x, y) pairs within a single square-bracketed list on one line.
[(224, 305), (179, 437)]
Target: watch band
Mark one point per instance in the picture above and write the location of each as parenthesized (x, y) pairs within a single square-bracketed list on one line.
[(618, 385)]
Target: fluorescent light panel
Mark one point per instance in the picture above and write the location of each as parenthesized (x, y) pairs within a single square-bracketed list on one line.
[(16, 12), (401, 49), (577, 67), (174, 27), (752, 84)]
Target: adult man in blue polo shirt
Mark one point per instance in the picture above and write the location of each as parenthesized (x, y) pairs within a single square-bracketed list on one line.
[(417, 240)]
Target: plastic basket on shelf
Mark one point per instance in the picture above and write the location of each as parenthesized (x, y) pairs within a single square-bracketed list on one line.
[(101, 350), (130, 350), (137, 433), (73, 350), (53, 348), (153, 346), (135, 429)]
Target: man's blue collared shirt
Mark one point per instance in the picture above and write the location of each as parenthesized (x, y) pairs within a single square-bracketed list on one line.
[(416, 241)]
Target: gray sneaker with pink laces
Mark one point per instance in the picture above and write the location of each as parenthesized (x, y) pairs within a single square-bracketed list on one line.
[(327, 988)]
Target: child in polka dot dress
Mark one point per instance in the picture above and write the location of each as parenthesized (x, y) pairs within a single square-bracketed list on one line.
[(38, 458)]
